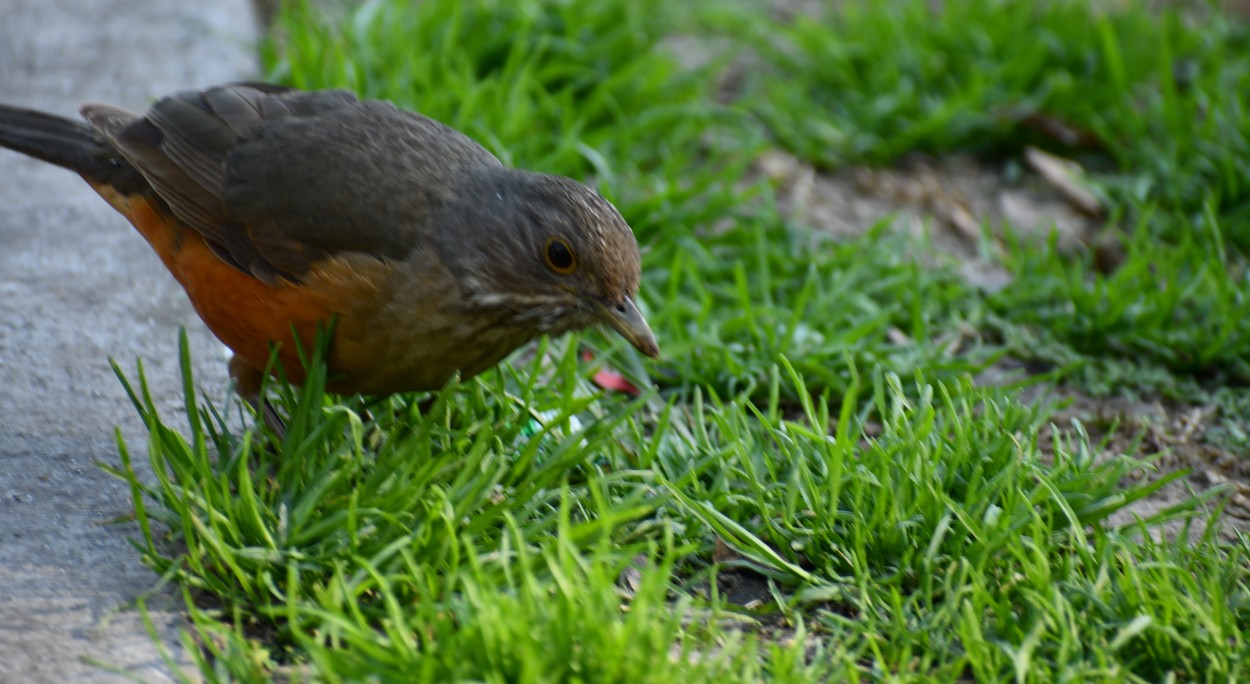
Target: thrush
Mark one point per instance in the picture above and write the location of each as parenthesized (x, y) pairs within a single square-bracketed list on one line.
[(279, 210)]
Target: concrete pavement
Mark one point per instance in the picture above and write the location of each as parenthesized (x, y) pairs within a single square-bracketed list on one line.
[(78, 285)]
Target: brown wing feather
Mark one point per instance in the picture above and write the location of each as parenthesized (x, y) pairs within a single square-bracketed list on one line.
[(359, 179), (277, 179), (182, 176)]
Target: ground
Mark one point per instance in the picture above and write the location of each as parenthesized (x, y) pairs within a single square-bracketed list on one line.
[(861, 507)]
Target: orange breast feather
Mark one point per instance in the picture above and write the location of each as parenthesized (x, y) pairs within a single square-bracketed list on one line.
[(243, 312)]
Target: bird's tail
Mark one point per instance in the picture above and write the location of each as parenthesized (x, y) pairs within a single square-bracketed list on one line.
[(67, 143)]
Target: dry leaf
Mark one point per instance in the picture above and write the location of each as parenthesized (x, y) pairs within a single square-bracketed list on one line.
[(1065, 176)]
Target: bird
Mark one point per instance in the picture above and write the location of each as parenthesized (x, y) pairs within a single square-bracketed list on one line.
[(282, 211)]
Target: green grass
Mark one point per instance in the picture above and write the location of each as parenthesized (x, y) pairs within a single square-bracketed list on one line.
[(1182, 306), (466, 546), (813, 431), (1155, 97), (1157, 94)]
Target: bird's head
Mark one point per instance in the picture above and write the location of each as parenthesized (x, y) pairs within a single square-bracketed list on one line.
[(552, 253)]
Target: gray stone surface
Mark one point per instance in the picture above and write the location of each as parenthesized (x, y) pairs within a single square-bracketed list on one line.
[(78, 285)]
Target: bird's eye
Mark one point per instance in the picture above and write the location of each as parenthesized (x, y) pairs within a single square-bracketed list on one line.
[(559, 256)]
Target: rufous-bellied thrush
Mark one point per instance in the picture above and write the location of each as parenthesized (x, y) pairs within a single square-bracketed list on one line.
[(278, 210)]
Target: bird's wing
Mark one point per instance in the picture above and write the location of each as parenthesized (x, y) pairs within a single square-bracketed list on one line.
[(276, 179)]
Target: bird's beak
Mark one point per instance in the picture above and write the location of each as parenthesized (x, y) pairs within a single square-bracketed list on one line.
[(625, 318)]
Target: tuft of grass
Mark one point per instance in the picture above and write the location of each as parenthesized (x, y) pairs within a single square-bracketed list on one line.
[(955, 473), (734, 303), (955, 540), (1183, 307), (336, 488), (470, 525)]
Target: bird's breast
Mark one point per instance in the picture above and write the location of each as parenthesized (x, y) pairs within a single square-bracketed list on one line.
[(422, 331), (247, 315)]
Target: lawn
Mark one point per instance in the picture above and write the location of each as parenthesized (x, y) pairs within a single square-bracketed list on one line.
[(853, 461)]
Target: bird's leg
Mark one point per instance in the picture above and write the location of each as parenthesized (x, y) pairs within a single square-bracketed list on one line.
[(247, 383)]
